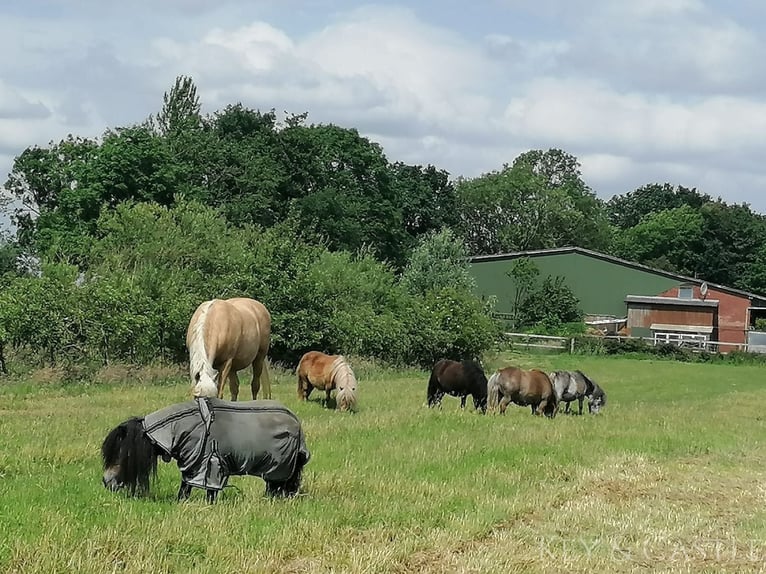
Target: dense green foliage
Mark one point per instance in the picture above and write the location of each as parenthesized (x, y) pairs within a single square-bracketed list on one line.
[(150, 266), (118, 238)]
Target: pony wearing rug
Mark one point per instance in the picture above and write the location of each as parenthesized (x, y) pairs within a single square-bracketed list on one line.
[(317, 370), (458, 379), (525, 388), (575, 385), (210, 439), (225, 336)]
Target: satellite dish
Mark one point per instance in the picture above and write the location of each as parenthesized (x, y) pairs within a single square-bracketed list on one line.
[(703, 289)]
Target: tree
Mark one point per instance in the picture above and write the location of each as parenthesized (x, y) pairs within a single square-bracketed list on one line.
[(626, 211), (670, 239), (426, 196), (577, 215), (243, 167), (539, 202), (340, 191), (524, 274), (551, 304), (181, 109), (439, 261), (732, 237)]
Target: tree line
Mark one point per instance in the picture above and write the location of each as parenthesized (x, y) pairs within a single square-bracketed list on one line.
[(137, 226)]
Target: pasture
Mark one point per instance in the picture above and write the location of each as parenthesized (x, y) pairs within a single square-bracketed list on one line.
[(670, 477)]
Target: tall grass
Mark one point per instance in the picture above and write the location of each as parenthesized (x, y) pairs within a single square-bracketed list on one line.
[(674, 463)]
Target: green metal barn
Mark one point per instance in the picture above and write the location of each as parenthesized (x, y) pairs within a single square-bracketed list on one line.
[(601, 282), (650, 302)]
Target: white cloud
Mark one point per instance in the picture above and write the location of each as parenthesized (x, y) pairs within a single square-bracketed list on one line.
[(372, 67), (676, 46), (593, 117), (657, 90)]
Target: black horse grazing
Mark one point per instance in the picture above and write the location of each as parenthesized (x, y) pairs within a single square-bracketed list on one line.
[(210, 439), (458, 379)]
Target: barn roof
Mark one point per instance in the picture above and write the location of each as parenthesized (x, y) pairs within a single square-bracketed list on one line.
[(616, 261)]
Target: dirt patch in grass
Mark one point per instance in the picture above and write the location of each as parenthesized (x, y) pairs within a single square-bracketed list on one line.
[(627, 515)]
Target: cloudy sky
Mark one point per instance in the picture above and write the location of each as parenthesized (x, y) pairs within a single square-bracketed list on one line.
[(640, 91)]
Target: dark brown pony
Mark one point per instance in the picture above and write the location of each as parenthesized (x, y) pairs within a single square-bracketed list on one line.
[(458, 379), (515, 385)]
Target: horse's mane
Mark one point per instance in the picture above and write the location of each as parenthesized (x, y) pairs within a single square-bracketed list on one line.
[(598, 391), (590, 386), (341, 369), (128, 447), (475, 374), (198, 362)]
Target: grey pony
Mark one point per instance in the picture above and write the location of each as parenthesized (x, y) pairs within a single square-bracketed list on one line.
[(576, 385)]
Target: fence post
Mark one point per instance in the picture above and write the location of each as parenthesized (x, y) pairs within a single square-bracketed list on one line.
[(571, 346)]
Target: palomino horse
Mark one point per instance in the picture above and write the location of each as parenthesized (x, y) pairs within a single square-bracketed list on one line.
[(523, 388), (210, 439), (576, 385), (226, 336), (458, 379), (325, 373)]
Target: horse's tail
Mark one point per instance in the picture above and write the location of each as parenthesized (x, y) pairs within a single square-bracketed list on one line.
[(299, 376), (493, 391), (433, 386), (555, 399)]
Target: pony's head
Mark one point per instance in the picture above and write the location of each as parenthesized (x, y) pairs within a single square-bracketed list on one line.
[(204, 381), (597, 400), (345, 382), (130, 458), (478, 382)]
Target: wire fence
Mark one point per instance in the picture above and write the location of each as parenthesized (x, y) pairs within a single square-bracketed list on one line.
[(570, 344)]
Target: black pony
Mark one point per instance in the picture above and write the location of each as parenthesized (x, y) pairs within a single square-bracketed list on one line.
[(210, 439), (458, 379)]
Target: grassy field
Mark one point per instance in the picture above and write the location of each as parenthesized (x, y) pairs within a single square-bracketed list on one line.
[(669, 478)]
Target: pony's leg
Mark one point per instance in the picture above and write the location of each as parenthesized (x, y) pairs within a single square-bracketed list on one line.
[(184, 491), (255, 384), (503, 404), (435, 399), (223, 376), (327, 392), (211, 495), (566, 410), (580, 399), (462, 401), (233, 385), (303, 393)]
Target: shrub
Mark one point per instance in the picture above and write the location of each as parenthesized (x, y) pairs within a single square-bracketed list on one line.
[(151, 266)]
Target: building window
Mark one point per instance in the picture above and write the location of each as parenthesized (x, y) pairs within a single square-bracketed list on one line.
[(686, 292)]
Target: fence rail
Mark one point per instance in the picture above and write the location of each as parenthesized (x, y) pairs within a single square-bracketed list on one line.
[(550, 342)]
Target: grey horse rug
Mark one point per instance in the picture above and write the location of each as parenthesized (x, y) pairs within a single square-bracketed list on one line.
[(211, 439)]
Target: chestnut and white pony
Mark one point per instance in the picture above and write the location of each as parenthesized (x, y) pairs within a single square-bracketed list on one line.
[(323, 372), (225, 336)]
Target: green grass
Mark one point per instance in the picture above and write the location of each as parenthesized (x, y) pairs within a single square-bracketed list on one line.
[(669, 478)]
